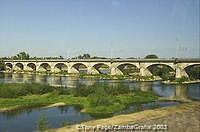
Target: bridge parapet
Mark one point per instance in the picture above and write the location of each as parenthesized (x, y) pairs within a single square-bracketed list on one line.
[(178, 60)]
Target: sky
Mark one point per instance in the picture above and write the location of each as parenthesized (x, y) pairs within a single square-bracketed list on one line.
[(107, 28)]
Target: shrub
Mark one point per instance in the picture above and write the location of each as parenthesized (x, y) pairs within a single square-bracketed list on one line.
[(36, 88), (167, 77), (83, 90), (42, 123), (2, 65), (62, 91), (182, 79), (146, 77), (8, 90), (120, 89), (100, 98)]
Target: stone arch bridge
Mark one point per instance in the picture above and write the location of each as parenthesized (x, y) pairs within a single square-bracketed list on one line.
[(92, 65)]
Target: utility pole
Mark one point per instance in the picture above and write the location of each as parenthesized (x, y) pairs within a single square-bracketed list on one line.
[(177, 47), (68, 50), (111, 51)]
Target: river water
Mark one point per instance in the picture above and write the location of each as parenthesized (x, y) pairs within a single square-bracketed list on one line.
[(26, 120)]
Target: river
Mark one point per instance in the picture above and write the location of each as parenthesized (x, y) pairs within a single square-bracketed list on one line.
[(26, 120)]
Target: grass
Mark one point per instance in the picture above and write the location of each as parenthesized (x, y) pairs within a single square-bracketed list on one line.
[(96, 99), (103, 76), (181, 80)]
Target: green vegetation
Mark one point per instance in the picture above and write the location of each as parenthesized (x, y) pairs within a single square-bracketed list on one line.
[(84, 56), (193, 72), (88, 56), (151, 56), (181, 80), (65, 123), (130, 70), (2, 65), (100, 95), (42, 123), (25, 56), (96, 99), (21, 56), (163, 71), (145, 77), (16, 90), (103, 76)]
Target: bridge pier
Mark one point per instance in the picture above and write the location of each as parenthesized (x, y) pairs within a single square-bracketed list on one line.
[(92, 70), (7, 68), (73, 70), (37, 67), (180, 72), (26, 68), (145, 72), (16, 68), (56, 69), (180, 92), (41, 69), (116, 71)]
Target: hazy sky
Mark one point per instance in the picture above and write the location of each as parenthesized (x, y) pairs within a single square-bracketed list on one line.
[(111, 28)]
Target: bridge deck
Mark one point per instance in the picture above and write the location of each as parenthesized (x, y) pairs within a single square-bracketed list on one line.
[(108, 60)]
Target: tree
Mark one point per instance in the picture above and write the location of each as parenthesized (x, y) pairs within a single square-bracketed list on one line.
[(61, 57), (193, 72), (151, 56), (2, 65), (84, 56), (22, 56), (163, 71)]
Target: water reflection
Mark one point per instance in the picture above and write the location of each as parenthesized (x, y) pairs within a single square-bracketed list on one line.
[(28, 119), (151, 105), (193, 92), (145, 86)]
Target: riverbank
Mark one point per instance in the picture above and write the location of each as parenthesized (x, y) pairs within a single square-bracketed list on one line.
[(85, 75), (186, 82), (183, 117)]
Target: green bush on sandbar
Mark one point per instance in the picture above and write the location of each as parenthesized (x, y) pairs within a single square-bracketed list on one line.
[(18, 89)]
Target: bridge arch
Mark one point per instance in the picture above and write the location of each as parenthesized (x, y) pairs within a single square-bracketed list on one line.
[(193, 71), (164, 71), (19, 66), (31, 67), (102, 68), (128, 68), (44, 67), (8, 66), (60, 67), (80, 67), (170, 65)]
